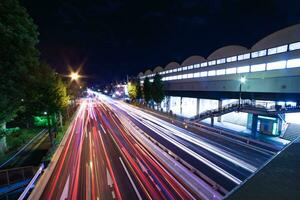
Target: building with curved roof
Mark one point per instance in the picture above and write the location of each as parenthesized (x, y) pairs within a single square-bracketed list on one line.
[(193, 60), (278, 38), (227, 51), (281, 41), (140, 74), (172, 65), (158, 69), (148, 72)]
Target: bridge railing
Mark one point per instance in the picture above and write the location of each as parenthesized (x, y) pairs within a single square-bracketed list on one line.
[(11, 176), (246, 105)]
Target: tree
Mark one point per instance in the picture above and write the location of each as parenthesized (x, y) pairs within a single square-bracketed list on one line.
[(139, 93), (147, 90), (18, 55), (158, 93), (132, 92), (75, 89), (48, 94)]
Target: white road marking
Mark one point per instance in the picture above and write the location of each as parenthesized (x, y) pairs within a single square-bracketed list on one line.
[(65, 192), (113, 195), (130, 179), (143, 167), (103, 129), (109, 179)]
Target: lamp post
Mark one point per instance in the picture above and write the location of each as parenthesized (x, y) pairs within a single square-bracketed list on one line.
[(74, 76), (242, 81)]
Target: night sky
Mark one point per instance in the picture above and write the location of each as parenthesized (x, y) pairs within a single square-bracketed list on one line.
[(113, 38)]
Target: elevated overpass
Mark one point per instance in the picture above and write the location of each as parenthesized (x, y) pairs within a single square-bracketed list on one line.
[(271, 68)]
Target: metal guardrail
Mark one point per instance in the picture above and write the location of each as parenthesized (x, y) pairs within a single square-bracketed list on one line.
[(23, 148), (15, 175), (32, 182)]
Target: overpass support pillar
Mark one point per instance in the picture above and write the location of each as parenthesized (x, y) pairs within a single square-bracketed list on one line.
[(253, 102), (254, 124), (220, 107), (212, 121), (198, 107), (180, 105), (167, 104)]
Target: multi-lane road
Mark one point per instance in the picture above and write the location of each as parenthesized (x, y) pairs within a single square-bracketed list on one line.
[(116, 151)]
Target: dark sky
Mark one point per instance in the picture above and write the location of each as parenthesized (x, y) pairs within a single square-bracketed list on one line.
[(114, 38)]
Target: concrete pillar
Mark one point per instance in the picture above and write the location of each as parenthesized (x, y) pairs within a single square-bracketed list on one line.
[(212, 121), (253, 102), (180, 105), (220, 107), (254, 124), (280, 123), (167, 104), (198, 106), (279, 126)]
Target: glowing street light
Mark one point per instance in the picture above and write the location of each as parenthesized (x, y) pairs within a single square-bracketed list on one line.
[(243, 79), (74, 76)]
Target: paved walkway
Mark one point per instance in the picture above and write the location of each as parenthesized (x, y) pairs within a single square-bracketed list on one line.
[(277, 180), (243, 131)]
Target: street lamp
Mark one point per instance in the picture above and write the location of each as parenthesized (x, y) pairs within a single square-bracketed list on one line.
[(74, 76), (242, 81)]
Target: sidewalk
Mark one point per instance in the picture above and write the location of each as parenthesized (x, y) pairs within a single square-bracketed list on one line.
[(244, 132), (277, 180)]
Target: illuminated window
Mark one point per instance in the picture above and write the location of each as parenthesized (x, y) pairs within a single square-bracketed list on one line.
[(276, 65), (190, 67), (279, 49), (282, 48), (271, 51), (212, 73), (294, 46), (174, 70), (293, 63), (254, 54), (262, 53), (244, 56), (204, 64), (179, 69), (203, 74), (231, 59), (191, 75), (179, 76), (196, 65), (231, 70), (164, 78), (184, 76), (184, 68), (213, 62), (221, 61), (258, 67), (197, 74), (220, 72), (243, 69)]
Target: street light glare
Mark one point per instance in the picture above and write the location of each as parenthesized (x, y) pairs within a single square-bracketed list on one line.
[(74, 76)]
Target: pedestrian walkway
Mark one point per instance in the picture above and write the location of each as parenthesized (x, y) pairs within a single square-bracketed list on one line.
[(244, 132), (292, 132), (278, 179)]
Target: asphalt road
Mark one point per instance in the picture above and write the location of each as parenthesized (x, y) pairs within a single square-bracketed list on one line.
[(116, 151), (226, 161)]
